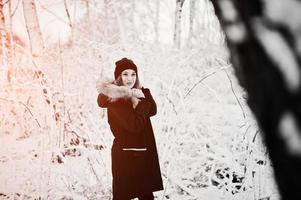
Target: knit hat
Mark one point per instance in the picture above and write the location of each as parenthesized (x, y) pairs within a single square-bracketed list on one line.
[(124, 64)]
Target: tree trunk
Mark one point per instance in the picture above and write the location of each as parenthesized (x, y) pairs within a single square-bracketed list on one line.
[(157, 21), (3, 35), (87, 2), (178, 16), (191, 21), (11, 43), (10, 30), (265, 44), (33, 27)]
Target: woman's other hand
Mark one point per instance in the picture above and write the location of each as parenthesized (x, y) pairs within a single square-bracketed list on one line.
[(137, 93)]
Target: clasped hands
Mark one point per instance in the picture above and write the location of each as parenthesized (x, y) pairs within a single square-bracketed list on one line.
[(136, 94)]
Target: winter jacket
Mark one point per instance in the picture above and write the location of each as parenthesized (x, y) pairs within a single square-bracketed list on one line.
[(135, 165)]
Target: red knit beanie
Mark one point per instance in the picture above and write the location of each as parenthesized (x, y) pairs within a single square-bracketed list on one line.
[(124, 64)]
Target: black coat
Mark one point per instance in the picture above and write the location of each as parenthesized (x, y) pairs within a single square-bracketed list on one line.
[(134, 172)]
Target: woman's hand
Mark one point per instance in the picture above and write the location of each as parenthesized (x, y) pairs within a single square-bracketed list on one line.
[(137, 93)]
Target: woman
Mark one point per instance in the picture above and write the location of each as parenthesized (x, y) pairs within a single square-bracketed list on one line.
[(135, 165)]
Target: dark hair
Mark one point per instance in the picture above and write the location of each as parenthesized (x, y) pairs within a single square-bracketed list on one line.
[(118, 81)]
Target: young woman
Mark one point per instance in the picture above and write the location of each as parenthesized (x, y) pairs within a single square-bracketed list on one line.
[(135, 165)]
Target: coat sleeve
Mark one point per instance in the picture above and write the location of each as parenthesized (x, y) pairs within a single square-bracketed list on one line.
[(130, 119), (102, 100), (151, 102)]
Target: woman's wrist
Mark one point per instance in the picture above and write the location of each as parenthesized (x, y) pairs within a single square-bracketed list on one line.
[(137, 93), (133, 92)]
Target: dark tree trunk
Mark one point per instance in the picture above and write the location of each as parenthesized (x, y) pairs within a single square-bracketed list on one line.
[(3, 34), (191, 22), (178, 18), (264, 40)]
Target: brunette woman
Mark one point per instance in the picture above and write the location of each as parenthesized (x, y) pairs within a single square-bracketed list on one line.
[(135, 165)]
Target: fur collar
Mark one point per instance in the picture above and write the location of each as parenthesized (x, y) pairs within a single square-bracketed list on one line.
[(113, 91)]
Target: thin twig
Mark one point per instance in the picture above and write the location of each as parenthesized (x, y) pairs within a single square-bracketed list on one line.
[(27, 108), (69, 19), (255, 136), (173, 105), (63, 91), (68, 13), (206, 76), (55, 15), (13, 13), (30, 113), (243, 112), (93, 170)]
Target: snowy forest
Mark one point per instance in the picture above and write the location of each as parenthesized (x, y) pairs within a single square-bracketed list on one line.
[(55, 142)]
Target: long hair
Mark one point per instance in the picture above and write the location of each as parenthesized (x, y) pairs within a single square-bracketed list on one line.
[(119, 82)]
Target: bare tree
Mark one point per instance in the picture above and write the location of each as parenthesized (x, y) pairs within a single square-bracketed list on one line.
[(156, 24), (7, 43), (178, 17), (33, 27), (3, 34), (87, 3), (264, 40), (10, 30), (191, 21)]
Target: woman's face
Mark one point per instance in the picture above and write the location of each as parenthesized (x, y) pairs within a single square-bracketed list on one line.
[(128, 77)]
